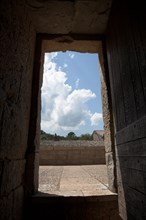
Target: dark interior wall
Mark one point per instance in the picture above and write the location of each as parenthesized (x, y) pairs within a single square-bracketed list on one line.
[(16, 61), (126, 52)]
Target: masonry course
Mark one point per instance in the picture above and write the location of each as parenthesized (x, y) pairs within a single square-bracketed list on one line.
[(123, 95), (72, 153)]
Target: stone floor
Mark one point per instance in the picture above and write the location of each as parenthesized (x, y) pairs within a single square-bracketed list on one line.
[(74, 180)]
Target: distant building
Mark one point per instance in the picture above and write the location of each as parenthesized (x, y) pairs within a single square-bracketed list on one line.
[(98, 135)]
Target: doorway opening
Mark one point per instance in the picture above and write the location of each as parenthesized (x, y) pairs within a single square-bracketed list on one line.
[(72, 151)]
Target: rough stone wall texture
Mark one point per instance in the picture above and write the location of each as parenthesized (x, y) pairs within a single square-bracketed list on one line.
[(108, 119), (71, 153), (65, 17), (126, 51), (16, 57), (16, 63)]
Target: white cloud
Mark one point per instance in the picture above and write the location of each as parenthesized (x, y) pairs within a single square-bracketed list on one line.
[(77, 83), (96, 118), (65, 65), (71, 55), (50, 56), (63, 109)]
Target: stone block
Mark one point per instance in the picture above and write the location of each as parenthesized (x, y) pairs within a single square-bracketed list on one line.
[(111, 171), (1, 169), (71, 152), (109, 159), (13, 174), (32, 170), (6, 207), (109, 147), (18, 203)]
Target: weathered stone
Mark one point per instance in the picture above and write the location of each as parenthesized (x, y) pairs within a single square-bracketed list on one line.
[(17, 49), (12, 176), (1, 169), (123, 74), (66, 17), (111, 171), (71, 152), (6, 207), (31, 175), (109, 140), (18, 203), (70, 43)]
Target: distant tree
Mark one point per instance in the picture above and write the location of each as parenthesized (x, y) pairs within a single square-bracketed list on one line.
[(45, 136), (42, 132), (56, 137), (86, 137), (62, 138), (71, 136)]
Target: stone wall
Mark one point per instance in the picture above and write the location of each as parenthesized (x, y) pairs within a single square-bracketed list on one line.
[(20, 89), (126, 51), (108, 119), (71, 153), (16, 63), (126, 48)]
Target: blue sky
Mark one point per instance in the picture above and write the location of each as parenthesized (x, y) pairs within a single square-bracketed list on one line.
[(71, 93)]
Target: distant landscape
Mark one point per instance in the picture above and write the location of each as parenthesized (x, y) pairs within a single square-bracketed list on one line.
[(70, 136)]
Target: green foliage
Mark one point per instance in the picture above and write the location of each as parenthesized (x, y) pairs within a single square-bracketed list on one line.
[(46, 136), (86, 137), (70, 136)]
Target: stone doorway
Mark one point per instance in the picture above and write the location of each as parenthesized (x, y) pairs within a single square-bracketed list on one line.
[(49, 43), (87, 204), (98, 179)]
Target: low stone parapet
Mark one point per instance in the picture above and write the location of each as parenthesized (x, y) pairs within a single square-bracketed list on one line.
[(71, 153)]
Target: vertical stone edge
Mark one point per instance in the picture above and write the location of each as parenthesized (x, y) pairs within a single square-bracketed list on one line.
[(108, 119)]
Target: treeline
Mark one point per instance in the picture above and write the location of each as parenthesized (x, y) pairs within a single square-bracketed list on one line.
[(70, 136)]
